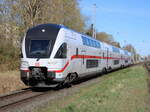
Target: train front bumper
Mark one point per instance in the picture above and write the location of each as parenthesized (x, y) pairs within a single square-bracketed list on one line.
[(50, 79)]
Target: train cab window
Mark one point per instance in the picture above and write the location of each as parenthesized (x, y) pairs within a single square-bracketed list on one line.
[(39, 48), (62, 51)]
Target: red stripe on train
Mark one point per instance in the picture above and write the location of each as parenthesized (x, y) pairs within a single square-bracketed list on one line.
[(83, 56), (58, 71)]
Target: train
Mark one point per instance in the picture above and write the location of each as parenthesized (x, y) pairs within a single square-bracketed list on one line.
[(53, 54)]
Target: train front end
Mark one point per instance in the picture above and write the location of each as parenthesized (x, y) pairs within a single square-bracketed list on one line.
[(38, 66)]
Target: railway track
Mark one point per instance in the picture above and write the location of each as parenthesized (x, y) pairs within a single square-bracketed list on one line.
[(10, 102), (26, 96), (14, 99), (147, 65)]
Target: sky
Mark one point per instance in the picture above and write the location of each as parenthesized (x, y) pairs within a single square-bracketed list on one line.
[(127, 20)]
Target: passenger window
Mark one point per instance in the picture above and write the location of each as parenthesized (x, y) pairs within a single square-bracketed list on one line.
[(77, 51), (92, 43), (103, 54), (62, 51), (88, 42), (84, 40), (99, 45), (91, 63), (116, 62), (95, 44)]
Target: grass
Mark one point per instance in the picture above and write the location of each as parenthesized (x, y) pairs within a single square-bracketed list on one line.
[(122, 91), (10, 81)]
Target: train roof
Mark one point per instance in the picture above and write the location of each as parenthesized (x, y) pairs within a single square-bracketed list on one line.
[(59, 26), (45, 26)]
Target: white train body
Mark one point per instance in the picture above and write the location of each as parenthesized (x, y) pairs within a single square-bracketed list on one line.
[(51, 53)]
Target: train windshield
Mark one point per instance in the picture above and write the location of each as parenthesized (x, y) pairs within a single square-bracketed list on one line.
[(39, 48), (40, 40)]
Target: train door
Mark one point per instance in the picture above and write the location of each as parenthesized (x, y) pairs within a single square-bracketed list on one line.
[(103, 60), (122, 61), (78, 64), (83, 62), (100, 61), (107, 55), (75, 61)]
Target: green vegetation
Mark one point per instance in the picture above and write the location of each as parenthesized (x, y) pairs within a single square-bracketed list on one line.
[(122, 91), (9, 55), (16, 16)]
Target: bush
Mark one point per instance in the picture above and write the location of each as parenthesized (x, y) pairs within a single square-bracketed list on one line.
[(9, 55)]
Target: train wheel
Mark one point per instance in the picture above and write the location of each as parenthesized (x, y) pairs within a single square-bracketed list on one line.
[(69, 79), (104, 71), (122, 66), (67, 82)]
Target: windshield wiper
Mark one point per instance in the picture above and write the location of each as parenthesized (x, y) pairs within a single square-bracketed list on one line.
[(38, 59)]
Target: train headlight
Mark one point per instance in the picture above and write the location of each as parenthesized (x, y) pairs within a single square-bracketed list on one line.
[(24, 64)]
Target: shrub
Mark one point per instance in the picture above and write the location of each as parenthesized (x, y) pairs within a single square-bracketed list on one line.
[(9, 55)]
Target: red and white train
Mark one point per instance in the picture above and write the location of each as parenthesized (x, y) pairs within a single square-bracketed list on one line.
[(54, 54)]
